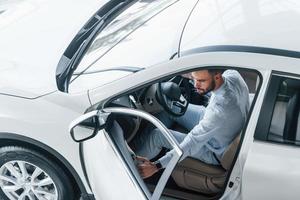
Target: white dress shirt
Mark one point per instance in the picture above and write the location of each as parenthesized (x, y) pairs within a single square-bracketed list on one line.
[(222, 121)]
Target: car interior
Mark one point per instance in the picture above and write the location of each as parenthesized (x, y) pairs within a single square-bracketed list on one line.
[(284, 127), (191, 178)]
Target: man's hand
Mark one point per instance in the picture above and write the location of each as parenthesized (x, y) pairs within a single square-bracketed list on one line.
[(145, 167)]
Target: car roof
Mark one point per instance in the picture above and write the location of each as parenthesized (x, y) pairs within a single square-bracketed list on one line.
[(255, 23), (34, 34)]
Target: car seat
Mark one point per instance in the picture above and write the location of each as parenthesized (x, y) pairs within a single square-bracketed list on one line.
[(195, 175)]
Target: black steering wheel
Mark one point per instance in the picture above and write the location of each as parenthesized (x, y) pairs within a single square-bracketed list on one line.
[(170, 97)]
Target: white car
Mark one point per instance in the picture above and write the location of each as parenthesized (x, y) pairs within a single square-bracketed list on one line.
[(81, 79)]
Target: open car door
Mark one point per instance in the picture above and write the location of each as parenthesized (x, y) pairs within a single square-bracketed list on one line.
[(109, 164)]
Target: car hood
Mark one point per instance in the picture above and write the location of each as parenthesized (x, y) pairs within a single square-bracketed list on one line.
[(33, 36)]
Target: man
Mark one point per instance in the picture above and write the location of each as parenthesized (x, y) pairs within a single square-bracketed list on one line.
[(212, 128)]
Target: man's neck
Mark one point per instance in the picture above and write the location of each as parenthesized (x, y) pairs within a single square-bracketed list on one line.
[(219, 83)]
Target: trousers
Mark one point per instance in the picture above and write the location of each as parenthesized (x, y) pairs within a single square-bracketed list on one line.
[(150, 143)]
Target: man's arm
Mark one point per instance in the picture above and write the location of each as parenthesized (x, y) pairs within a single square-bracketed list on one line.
[(208, 127), (195, 139)]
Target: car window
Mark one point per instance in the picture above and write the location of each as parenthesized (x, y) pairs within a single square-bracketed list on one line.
[(142, 48), (284, 124), (285, 120), (129, 20), (97, 59)]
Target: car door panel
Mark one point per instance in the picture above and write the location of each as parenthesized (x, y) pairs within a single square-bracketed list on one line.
[(271, 169), (109, 176), (271, 172), (116, 163)]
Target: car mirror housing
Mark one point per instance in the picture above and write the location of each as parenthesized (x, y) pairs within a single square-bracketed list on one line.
[(87, 126)]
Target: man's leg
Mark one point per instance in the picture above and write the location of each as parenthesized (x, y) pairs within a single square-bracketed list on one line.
[(151, 141), (192, 116), (205, 155), (150, 144)]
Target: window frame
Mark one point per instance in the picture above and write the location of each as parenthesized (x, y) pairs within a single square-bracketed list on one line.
[(267, 110)]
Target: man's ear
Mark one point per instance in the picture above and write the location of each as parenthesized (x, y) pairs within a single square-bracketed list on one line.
[(218, 76)]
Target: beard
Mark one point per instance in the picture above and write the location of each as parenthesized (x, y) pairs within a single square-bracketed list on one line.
[(211, 87)]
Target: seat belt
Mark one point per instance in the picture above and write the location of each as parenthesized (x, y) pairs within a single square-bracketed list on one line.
[(215, 156)]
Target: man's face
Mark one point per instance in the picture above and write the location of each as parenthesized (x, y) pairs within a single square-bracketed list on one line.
[(204, 82)]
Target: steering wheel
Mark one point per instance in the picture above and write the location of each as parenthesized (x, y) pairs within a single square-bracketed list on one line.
[(171, 99)]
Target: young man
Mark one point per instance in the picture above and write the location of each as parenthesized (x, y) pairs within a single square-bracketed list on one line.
[(212, 128)]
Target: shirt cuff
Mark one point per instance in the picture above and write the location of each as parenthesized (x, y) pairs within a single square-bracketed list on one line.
[(165, 159)]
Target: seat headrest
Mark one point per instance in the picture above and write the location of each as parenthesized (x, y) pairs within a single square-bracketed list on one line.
[(295, 84)]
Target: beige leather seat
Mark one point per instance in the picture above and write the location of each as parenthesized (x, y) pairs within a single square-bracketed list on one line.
[(198, 176)]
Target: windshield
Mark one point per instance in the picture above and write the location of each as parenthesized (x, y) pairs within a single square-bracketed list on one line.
[(124, 24)]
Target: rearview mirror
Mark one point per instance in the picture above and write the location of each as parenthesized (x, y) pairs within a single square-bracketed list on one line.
[(86, 126)]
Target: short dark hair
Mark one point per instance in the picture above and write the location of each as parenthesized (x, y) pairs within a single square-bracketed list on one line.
[(215, 71)]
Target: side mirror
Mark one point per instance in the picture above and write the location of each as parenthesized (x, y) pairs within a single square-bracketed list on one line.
[(86, 126)]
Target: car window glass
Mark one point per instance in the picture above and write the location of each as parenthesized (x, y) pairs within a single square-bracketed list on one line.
[(129, 20), (285, 126), (141, 49)]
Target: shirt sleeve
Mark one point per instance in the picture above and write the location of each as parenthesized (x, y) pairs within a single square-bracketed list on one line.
[(199, 135)]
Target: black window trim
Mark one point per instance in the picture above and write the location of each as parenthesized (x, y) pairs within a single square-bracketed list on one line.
[(242, 48)]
